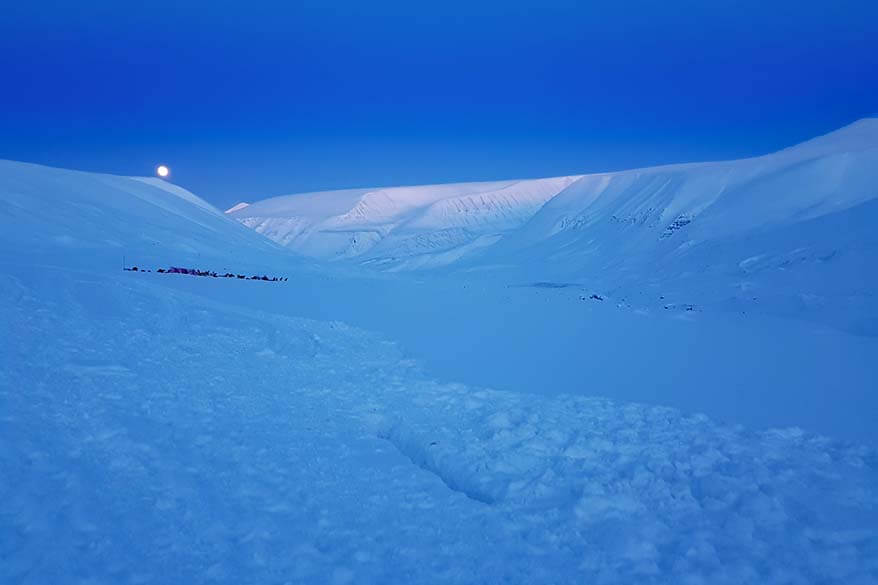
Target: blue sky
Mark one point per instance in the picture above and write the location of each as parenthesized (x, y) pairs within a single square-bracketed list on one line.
[(250, 99)]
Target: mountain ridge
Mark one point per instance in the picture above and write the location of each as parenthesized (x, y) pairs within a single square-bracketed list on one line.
[(381, 219), (790, 232)]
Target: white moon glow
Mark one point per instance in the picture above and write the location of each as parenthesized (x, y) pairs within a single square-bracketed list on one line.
[(162, 171)]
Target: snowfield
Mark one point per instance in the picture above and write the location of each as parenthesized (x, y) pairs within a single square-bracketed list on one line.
[(150, 436), (470, 424)]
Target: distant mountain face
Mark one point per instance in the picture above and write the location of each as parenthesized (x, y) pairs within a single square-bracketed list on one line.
[(427, 226), (791, 233), (793, 230), (437, 223)]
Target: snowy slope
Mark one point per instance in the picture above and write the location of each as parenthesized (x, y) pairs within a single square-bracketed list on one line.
[(789, 233), (710, 201), (64, 217), (174, 429), (407, 221)]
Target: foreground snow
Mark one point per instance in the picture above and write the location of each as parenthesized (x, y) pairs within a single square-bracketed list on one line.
[(153, 436)]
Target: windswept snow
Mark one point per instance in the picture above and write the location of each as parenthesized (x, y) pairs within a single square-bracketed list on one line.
[(826, 175), (164, 429)]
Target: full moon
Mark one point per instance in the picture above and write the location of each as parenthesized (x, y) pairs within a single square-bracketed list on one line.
[(162, 171)]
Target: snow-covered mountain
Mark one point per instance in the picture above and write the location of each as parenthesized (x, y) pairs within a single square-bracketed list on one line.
[(396, 226), (438, 222), (787, 233), (675, 208)]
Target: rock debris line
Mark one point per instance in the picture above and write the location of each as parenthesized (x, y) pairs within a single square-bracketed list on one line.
[(196, 272)]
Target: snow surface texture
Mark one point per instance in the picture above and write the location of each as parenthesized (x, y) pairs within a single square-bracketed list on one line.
[(790, 233), (168, 429), (149, 436)]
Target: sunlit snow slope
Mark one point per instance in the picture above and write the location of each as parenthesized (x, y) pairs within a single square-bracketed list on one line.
[(437, 224), (790, 233)]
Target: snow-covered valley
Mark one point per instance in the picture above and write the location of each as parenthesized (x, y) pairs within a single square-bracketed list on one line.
[(790, 233), (526, 390)]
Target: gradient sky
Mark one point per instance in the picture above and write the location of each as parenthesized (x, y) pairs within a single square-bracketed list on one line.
[(245, 100)]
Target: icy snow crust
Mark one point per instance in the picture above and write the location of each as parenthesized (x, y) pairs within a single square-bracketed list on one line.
[(172, 429)]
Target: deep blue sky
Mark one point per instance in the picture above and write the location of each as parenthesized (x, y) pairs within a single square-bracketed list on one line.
[(250, 99)]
